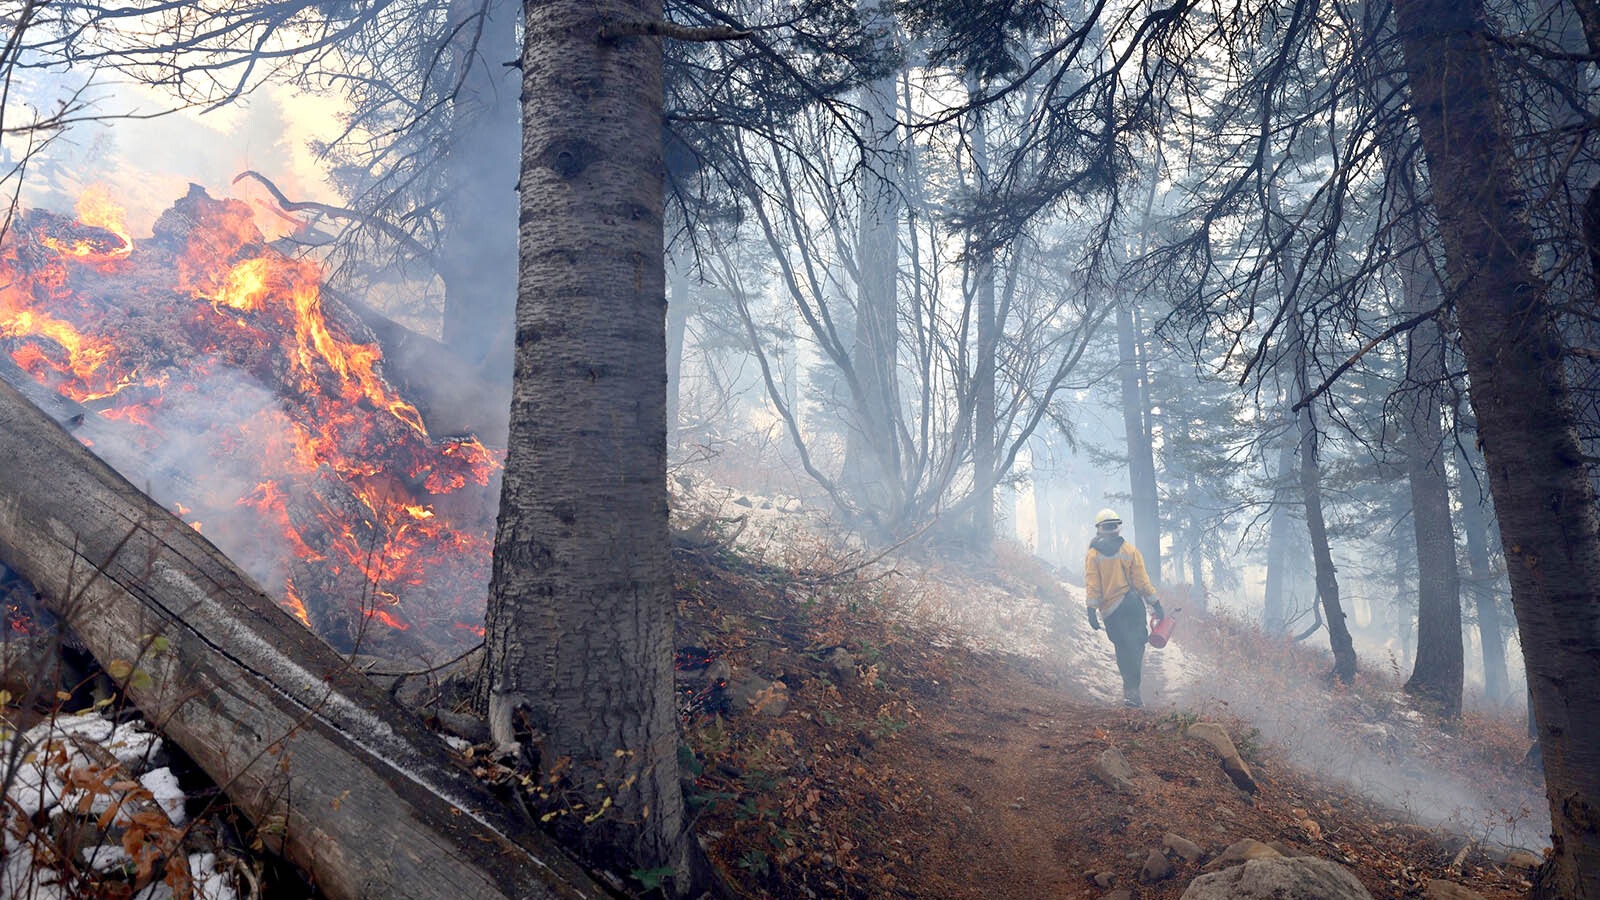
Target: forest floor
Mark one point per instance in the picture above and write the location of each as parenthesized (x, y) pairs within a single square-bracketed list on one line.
[(845, 747), (915, 726)]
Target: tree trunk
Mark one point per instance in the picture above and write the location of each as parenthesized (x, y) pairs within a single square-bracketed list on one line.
[(1440, 661), (983, 399), (478, 255), (1543, 498), (1136, 415), (1475, 518), (1275, 611), (1344, 651), (360, 792), (677, 329), (579, 631), (1141, 460), (1044, 515), (871, 445)]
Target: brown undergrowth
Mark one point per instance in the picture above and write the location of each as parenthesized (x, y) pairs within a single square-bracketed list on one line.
[(834, 749)]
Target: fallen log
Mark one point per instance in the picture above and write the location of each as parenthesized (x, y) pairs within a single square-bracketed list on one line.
[(336, 776)]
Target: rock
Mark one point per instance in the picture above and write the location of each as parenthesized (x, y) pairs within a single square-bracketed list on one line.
[(1242, 851), (842, 663), (764, 504), (1156, 868), (751, 692), (473, 729), (792, 505), (1279, 878), (1211, 733), (1524, 859), (742, 501), (1449, 890), (1182, 847), (1113, 770), (1105, 879)]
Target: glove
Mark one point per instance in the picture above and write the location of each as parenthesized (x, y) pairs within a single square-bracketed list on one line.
[(1156, 606), (1094, 620)]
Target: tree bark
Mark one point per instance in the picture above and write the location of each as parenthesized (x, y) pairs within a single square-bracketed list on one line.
[(1543, 498), (579, 630), (342, 781)]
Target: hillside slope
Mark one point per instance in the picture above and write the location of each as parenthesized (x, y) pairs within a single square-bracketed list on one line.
[(931, 730)]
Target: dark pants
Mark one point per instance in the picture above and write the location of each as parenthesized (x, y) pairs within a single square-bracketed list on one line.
[(1127, 629)]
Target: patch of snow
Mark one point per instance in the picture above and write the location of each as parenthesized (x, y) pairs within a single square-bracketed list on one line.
[(132, 745), (210, 884), (163, 785), (35, 788), (105, 858), (89, 726)]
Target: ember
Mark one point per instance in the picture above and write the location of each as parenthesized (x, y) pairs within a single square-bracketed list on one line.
[(247, 398)]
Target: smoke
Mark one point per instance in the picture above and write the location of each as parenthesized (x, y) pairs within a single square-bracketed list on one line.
[(207, 462), (1368, 738)]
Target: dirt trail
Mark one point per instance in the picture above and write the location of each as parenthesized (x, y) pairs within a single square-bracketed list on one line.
[(1010, 810)]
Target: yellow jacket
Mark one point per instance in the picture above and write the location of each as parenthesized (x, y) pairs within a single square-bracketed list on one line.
[(1110, 570)]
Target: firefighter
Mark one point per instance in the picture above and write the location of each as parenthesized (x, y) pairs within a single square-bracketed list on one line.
[(1119, 589)]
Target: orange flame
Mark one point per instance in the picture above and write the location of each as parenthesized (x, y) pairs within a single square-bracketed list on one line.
[(345, 469)]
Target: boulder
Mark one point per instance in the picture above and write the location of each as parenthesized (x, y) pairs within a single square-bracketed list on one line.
[(1213, 734), (1242, 851), (1156, 868), (1113, 770), (1279, 878), (1182, 847)]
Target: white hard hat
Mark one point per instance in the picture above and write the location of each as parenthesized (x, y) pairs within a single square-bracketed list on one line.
[(1107, 516)]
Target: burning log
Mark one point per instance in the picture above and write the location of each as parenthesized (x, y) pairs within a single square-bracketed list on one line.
[(347, 784), (218, 373)]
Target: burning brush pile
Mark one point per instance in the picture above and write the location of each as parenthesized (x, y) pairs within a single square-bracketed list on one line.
[(216, 373)]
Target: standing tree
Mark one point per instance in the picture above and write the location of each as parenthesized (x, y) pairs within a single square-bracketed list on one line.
[(578, 660), (1537, 472)]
